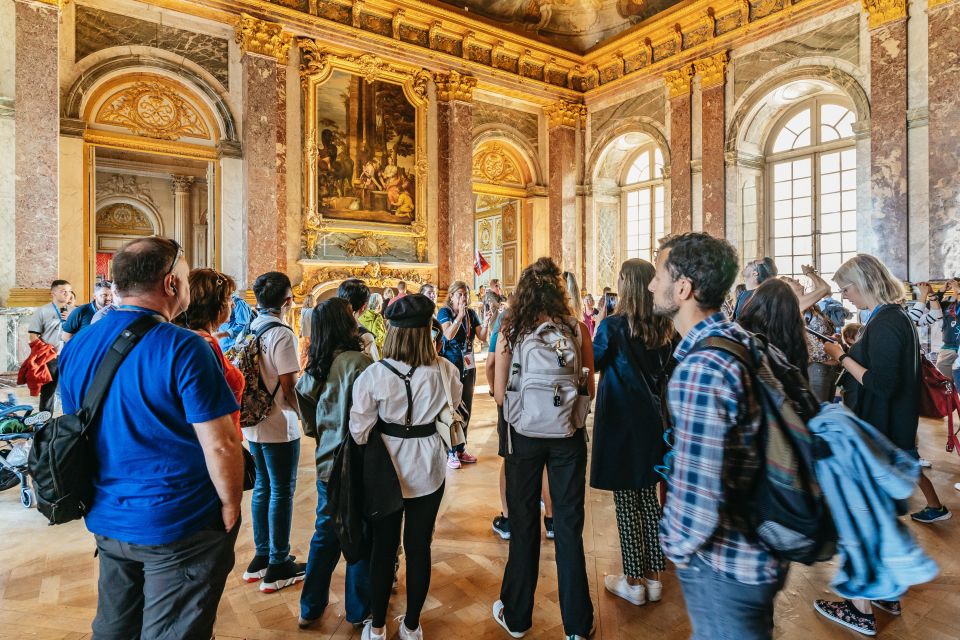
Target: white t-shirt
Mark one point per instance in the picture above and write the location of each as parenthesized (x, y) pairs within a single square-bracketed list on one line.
[(278, 356)]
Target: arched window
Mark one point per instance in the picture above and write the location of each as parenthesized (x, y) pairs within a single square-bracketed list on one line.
[(642, 202), (812, 176)]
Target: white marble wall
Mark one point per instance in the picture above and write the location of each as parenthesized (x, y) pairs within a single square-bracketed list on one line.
[(918, 184)]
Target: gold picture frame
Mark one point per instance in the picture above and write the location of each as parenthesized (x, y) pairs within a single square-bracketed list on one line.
[(318, 64)]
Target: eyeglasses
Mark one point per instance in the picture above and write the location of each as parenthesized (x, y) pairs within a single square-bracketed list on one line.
[(176, 257), (844, 288)]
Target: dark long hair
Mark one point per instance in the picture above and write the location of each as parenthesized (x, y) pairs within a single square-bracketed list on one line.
[(773, 310), (333, 331), (540, 292), (636, 305)]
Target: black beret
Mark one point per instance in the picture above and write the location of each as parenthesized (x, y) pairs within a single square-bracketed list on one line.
[(412, 311)]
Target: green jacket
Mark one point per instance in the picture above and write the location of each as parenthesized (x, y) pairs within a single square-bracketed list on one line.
[(326, 409), (375, 324)]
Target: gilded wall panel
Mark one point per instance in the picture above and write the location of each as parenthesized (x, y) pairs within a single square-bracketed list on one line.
[(334, 11), (729, 22), (299, 5), (414, 35), (376, 24)]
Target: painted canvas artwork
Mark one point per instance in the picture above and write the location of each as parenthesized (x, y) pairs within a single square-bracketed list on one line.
[(365, 150)]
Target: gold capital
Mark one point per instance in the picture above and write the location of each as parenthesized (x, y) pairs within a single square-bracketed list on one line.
[(881, 12), (454, 86), (565, 114), (712, 70), (263, 38), (679, 81)]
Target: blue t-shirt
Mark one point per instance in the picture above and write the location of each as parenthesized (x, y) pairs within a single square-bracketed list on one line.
[(79, 318), (495, 333), (152, 486), (742, 301)]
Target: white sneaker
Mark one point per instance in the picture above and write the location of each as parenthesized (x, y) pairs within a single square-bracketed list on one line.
[(654, 590), (926, 464), (957, 486), (406, 634), (619, 586), (498, 616), (368, 633)]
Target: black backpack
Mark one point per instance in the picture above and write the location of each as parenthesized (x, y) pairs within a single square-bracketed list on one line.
[(62, 460), (782, 501)]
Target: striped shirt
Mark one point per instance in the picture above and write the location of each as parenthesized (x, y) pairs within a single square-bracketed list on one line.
[(707, 397)]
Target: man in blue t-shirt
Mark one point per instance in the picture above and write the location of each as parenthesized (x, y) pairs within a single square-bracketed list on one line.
[(82, 316), (169, 481)]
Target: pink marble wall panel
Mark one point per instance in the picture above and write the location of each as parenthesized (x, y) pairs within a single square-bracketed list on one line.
[(455, 186), (562, 192), (37, 122), (714, 167), (888, 144), (944, 123), (260, 138), (681, 189), (281, 168)]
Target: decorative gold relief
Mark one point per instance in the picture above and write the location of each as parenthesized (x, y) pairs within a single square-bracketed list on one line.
[(373, 273), (712, 70), (485, 234), (678, 81), (355, 12), (124, 219), (263, 38), (155, 110), (397, 22), (366, 246), (744, 7), (509, 223), (934, 4), (881, 12), (454, 86), (565, 114), (124, 185), (493, 164)]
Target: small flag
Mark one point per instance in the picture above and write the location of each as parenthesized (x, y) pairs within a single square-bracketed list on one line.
[(480, 263)]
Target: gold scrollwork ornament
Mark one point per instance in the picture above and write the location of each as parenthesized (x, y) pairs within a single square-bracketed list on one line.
[(263, 38), (154, 110)]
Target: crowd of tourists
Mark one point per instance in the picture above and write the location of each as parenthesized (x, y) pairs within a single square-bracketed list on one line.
[(685, 376)]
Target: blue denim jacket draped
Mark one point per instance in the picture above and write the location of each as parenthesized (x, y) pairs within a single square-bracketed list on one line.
[(862, 479)]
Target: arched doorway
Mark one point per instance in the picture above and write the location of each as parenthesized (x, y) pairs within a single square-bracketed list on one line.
[(119, 220), (501, 180)]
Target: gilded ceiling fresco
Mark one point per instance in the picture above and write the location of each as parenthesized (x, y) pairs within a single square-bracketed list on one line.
[(575, 25)]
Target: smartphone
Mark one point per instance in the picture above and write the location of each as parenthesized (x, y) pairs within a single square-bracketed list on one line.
[(820, 336)]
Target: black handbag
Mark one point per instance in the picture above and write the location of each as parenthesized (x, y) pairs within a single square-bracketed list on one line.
[(249, 470), (345, 501)]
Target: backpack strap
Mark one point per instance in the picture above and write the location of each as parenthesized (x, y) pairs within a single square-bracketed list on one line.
[(727, 345), (107, 368), (406, 381), (258, 334)]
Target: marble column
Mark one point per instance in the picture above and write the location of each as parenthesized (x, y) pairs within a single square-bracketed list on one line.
[(281, 171), (564, 119), (264, 48), (712, 72), (455, 208), (944, 127), (887, 20), (681, 186), (37, 122), (182, 214)]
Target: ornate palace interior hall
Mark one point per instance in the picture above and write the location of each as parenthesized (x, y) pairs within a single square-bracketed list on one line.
[(48, 576)]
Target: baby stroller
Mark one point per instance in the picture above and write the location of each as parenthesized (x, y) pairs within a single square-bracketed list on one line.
[(18, 423)]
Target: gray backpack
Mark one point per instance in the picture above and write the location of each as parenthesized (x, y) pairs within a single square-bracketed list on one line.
[(543, 398)]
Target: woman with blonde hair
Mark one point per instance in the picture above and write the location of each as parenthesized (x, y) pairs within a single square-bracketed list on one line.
[(461, 326), (881, 382), (632, 350)]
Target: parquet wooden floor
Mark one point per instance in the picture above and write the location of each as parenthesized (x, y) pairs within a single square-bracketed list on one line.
[(48, 574)]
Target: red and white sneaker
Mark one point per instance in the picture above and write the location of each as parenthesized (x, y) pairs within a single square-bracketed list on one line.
[(466, 458)]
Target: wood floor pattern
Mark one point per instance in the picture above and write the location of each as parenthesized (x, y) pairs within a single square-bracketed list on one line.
[(48, 574)]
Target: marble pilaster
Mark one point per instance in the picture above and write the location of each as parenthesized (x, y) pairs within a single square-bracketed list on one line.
[(564, 119), (454, 177), (681, 150), (281, 168), (888, 136), (37, 119), (944, 150), (712, 76), (182, 214)]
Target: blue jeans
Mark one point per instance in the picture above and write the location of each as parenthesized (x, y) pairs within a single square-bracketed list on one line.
[(721, 608), (324, 556), (272, 502)]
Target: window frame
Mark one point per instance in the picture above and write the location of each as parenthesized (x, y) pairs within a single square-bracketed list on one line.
[(651, 185)]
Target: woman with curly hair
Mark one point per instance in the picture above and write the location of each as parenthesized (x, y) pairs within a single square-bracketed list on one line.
[(541, 296)]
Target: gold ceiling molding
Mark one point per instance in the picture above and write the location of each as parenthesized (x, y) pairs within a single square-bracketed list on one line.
[(565, 114), (263, 38), (373, 273), (712, 70), (454, 86), (679, 81), (882, 12), (935, 4), (493, 163), (154, 109), (317, 61)]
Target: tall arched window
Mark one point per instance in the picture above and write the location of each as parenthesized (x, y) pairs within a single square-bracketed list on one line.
[(642, 202), (812, 176)]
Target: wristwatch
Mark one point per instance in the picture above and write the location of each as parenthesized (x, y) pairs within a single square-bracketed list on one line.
[(843, 356)]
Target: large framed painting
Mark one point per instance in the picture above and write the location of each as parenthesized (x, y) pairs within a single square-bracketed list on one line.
[(364, 152)]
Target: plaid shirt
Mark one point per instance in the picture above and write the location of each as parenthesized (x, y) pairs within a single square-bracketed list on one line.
[(707, 397)]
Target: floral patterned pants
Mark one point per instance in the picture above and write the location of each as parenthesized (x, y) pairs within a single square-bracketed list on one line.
[(638, 521)]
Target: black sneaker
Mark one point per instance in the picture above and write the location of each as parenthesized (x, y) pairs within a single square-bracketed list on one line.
[(501, 526), (843, 612), (548, 525), (256, 569), (282, 575)]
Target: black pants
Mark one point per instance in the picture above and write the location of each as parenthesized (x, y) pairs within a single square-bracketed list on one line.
[(163, 592), (566, 463), (49, 390), (417, 517), (469, 381)]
